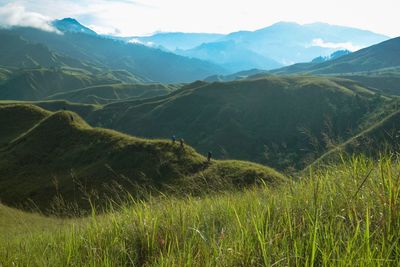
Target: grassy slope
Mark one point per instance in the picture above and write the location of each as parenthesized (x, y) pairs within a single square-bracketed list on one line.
[(16, 51), (75, 85), (386, 81), (115, 92), (240, 119), (17, 119), (57, 105), (332, 217), (37, 84), (63, 155), (378, 138), (16, 224)]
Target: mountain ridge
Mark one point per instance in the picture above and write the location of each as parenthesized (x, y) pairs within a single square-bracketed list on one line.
[(36, 166)]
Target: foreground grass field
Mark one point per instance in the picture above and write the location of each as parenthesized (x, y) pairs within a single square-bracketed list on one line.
[(346, 215)]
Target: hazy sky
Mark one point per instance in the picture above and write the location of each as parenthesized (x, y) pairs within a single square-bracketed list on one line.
[(131, 17)]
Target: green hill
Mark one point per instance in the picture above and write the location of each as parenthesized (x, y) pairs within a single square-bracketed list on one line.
[(379, 56), (329, 217), (15, 51), (115, 92), (278, 121), (40, 83), (17, 119), (37, 84), (63, 155), (380, 138), (386, 80)]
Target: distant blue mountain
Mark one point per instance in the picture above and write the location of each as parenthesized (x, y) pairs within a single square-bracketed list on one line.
[(177, 40), (231, 56), (72, 25), (284, 43), (290, 43), (278, 45)]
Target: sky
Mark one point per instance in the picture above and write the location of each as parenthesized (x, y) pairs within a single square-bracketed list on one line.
[(144, 17)]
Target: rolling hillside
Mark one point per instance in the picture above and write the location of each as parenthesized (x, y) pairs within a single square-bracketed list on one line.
[(279, 121), (11, 128), (103, 94), (36, 166), (16, 51), (382, 137), (387, 81), (39, 83)]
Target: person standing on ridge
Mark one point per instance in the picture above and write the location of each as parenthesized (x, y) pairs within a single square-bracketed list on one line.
[(173, 138), (209, 155)]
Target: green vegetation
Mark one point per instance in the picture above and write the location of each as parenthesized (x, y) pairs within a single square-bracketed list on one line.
[(16, 51), (283, 122), (383, 137), (272, 120), (57, 158), (103, 94), (15, 224), (92, 196), (386, 81), (39, 83), (338, 216), (17, 119)]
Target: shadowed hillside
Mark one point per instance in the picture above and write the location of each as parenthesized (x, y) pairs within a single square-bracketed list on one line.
[(16, 51), (386, 81), (382, 137), (37, 84), (279, 121), (104, 94), (63, 156), (17, 119)]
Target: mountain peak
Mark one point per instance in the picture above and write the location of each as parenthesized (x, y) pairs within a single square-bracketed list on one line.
[(72, 25), (70, 20)]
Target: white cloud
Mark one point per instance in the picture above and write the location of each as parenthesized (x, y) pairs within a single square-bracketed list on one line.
[(143, 17), (137, 41), (348, 45), (14, 14), (104, 30)]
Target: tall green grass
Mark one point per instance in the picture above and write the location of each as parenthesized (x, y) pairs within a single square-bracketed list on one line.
[(343, 215)]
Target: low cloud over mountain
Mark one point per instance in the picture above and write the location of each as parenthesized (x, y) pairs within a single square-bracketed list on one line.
[(14, 14)]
